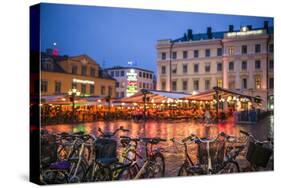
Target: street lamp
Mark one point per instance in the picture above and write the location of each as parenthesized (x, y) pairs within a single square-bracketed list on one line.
[(145, 100), (72, 94)]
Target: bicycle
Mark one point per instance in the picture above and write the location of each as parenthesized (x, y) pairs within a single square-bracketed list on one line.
[(259, 154), (212, 156), (154, 161), (73, 168), (105, 165)]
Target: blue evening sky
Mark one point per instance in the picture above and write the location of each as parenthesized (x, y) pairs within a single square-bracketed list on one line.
[(114, 36)]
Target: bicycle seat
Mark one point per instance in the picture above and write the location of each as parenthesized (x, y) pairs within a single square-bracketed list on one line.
[(107, 161), (60, 165)]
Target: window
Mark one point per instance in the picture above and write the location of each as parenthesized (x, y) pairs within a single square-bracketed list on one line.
[(196, 67), (184, 85), (117, 94), (258, 82), (143, 74), (112, 73), (207, 84), (174, 69), (174, 85), (174, 55), (219, 82), (102, 90), (143, 85), (271, 48), (184, 68), (57, 87), (140, 74), (92, 89), (123, 84), (257, 64), (208, 67), (196, 54), (83, 88), (109, 91), (219, 51), (195, 85), (207, 53), (92, 72), (257, 48), (219, 67), (122, 73), (74, 69), (150, 76), (84, 70), (140, 84), (231, 66), (244, 83), (163, 55), (231, 50), (184, 54), (44, 86), (117, 73), (163, 69), (163, 85), (122, 94), (244, 65), (271, 83), (117, 84), (244, 49), (271, 64)]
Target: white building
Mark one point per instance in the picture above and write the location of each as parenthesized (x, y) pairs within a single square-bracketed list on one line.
[(234, 59), (129, 80)]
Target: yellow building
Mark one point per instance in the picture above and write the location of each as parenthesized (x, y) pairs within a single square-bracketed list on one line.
[(59, 75)]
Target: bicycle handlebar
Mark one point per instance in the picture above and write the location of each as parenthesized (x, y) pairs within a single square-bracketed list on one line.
[(110, 134)]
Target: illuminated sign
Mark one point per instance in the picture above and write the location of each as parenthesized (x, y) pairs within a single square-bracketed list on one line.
[(132, 79), (245, 32), (75, 80)]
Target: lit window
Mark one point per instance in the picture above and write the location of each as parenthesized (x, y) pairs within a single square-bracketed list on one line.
[(219, 82), (258, 82)]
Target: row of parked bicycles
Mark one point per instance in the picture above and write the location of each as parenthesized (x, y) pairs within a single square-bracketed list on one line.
[(80, 157)]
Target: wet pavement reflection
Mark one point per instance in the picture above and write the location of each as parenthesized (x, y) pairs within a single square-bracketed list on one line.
[(169, 129)]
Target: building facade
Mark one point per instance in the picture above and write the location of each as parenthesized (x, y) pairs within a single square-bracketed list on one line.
[(129, 80), (60, 74), (241, 60)]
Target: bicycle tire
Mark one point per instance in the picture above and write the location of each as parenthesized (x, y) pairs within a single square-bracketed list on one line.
[(129, 173), (151, 170), (103, 174), (81, 173), (230, 167), (186, 170)]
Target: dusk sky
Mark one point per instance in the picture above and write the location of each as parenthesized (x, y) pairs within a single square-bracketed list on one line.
[(114, 36)]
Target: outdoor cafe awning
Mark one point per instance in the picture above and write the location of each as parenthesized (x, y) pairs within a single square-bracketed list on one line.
[(223, 93), (155, 96)]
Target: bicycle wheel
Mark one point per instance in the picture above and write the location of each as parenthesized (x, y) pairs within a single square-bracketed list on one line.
[(80, 173), (54, 177), (103, 174), (156, 167), (230, 167), (190, 171), (128, 172)]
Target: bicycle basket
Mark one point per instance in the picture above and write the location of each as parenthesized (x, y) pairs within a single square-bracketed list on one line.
[(105, 148), (258, 155), (217, 150)]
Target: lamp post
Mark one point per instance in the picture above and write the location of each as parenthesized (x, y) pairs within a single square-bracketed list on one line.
[(73, 93), (145, 100)]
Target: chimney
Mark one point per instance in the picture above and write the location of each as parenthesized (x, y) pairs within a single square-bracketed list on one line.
[(230, 28), (189, 34), (209, 32), (249, 27)]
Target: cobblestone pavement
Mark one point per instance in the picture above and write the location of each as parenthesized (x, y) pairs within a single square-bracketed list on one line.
[(178, 129)]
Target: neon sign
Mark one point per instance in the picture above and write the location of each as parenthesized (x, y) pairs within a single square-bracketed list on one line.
[(75, 80), (245, 33), (132, 79)]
